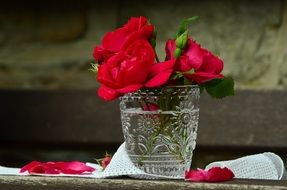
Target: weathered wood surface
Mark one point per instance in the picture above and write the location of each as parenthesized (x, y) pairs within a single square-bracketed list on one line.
[(249, 119), (52, 183)]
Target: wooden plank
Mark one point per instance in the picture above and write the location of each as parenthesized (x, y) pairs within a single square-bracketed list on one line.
[(59, 183), (249, 119), (58, 117)]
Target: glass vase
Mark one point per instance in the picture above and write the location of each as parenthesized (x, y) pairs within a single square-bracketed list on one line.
[(160, 128)]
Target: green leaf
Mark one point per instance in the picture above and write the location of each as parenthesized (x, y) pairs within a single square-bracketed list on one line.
[(220, 88), (177, 75), (152, 42), (153, 39), (201, 89), (177, 52), (184, 24), (181, 41), (94, 67), (190, 72)]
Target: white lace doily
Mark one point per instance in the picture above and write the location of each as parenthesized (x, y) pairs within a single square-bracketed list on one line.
[(259, 166)]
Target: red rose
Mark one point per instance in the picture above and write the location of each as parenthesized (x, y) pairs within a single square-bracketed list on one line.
[(137, 28), (191, 57), (130, 70), (206, 66)]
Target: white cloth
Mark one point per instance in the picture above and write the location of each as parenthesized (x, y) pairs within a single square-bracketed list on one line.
[(259, 166)]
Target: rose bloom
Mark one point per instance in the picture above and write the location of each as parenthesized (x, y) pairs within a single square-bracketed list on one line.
[(130, 70), (205, 65), (137, 28)]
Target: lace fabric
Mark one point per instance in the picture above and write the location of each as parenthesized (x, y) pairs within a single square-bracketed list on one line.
[(259, 166)]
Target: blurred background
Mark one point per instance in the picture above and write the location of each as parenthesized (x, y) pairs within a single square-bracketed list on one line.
[(46, 46)]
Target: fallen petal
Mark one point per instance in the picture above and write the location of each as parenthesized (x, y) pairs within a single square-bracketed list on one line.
[(74, 167), (215, 174), (27, 167), (195, 175)]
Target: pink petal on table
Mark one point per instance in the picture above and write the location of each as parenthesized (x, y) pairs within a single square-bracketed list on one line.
[(217, 174), (195, 175), (74, 167), (214, 174), (27, 167)]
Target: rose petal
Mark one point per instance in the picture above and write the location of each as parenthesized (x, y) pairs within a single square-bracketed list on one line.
[(74, 167), (113, 41), (162, 66), (182, 64), (136, 69), (27, 167), (107, 94), (194, 53), (101, 54), (130, 88), (217, 174), (135, 23), (169, 49), (195, 175), (159, 79), (104, 76), (36, 167), (135, 74), (202, 77), (144, 34), (211, 63)]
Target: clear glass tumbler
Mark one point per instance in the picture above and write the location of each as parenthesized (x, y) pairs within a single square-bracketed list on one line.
[(160, 128)]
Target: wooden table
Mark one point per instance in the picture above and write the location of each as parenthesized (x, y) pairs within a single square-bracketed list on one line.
[(70, 183)]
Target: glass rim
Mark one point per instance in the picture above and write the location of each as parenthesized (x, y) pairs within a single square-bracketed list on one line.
[(181, 86), (172, 86)]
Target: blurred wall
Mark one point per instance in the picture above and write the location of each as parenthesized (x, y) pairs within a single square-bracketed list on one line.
[(48, 44)]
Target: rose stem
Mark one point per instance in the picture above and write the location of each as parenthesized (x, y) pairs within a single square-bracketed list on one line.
[(156, 57)]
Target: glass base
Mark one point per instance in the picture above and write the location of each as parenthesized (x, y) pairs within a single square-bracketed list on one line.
[(164, 165)]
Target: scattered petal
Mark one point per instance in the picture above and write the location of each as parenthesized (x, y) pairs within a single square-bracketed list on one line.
[(214, 174), (217, 174), (195, 175), (74, 167)]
